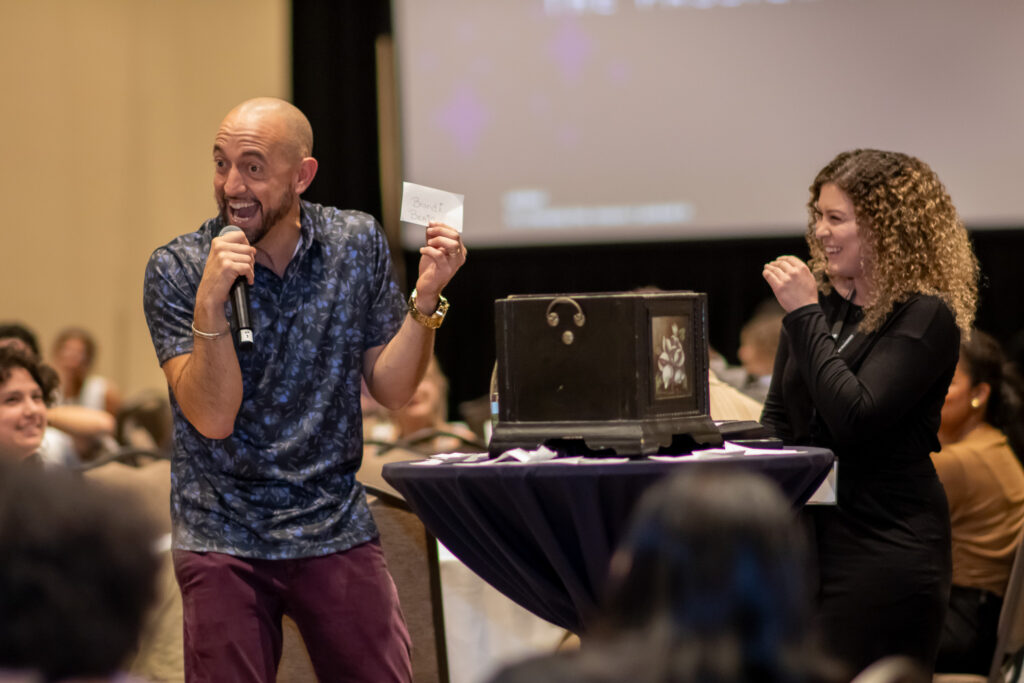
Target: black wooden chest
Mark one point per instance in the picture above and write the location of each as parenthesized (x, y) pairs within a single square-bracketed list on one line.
[(622, 373)]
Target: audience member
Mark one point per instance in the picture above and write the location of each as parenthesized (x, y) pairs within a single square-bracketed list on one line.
[(76, 577), (759, 341), (74, 351), (708, 586), (418, 428), (984, 483), (147, 486), (73, 430), (869, 345), (26, 388), (422, 424), (16, 334)]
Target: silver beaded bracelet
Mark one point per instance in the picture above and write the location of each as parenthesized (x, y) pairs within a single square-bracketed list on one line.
[(207, 335)]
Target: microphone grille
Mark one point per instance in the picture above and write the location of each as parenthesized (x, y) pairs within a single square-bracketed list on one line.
[(228, 228)]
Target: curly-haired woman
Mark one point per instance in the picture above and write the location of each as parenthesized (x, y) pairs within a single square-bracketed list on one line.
[(869, 345), (26, 388)]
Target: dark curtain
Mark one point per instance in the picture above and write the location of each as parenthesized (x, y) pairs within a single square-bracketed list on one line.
[(334, 81), (335, 84)]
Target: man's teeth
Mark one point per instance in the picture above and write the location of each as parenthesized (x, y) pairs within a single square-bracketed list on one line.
[(242, 210)]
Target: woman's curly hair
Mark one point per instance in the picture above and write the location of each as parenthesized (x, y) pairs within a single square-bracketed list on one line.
[(913, 238), (46, 377)]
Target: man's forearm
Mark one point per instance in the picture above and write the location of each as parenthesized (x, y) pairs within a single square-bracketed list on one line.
[(394, 371), (207, 384)]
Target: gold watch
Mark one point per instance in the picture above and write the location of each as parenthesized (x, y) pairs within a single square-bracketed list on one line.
[(432, 321)]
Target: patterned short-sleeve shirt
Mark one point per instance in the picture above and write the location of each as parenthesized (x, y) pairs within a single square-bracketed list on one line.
[(283, 484)]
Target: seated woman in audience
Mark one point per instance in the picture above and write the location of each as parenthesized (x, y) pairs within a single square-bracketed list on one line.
[(72, 430), (708, 585), (93, 401), (74, 351), (984, 483), (26, 388)]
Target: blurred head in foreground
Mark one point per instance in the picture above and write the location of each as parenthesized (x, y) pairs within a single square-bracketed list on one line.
[(707, 586), (709, 583), (77, 574)]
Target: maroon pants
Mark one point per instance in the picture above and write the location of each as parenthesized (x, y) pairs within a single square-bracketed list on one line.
[(345, 606)]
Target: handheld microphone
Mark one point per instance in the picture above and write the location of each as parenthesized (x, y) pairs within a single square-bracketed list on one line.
[(240, 304)]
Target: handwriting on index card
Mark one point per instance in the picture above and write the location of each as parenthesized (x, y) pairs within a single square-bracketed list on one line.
[(421, 205)]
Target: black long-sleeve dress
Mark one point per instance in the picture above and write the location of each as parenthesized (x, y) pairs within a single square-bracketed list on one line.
[(883, 553)]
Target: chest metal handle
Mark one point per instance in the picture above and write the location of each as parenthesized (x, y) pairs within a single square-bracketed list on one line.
[(577, 317)]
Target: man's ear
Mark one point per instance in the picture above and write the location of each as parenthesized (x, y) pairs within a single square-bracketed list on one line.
[(307, 171)]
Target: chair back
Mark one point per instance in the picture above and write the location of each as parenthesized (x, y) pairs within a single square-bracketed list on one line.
[(1009, 654)]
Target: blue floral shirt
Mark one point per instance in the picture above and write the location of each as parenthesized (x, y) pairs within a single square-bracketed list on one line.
[(283, 484)]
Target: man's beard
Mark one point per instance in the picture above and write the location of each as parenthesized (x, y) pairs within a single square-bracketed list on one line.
[(270, 217)]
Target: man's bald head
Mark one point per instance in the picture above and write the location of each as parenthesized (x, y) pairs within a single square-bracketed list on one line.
[(297, 134), (262, 164)]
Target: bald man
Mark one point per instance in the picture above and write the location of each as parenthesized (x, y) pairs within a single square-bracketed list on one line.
[(268, 517)]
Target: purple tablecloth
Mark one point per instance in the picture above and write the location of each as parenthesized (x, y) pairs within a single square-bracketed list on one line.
[(543, 534)]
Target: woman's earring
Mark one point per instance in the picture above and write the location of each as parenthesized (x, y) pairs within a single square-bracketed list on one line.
[(975, 403)]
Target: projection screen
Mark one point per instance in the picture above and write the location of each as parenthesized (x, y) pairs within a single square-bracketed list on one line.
[(569, 121)]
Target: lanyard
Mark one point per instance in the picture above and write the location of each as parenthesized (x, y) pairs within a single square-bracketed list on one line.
[(837, 326)]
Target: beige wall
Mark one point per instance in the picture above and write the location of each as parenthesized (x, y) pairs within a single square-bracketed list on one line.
[(108, 110)]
